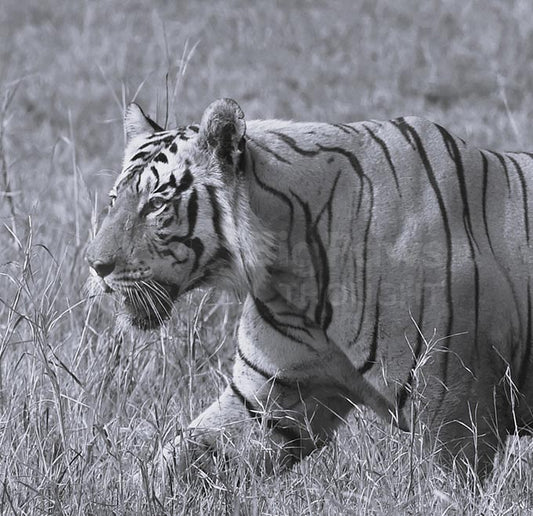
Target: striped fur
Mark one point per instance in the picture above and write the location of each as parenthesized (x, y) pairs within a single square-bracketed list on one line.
[(352, 241)]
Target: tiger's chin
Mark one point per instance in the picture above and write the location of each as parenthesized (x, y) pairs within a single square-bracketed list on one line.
[(148, 309)]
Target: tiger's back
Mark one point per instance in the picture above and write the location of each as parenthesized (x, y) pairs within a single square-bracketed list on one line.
[(358, 242)]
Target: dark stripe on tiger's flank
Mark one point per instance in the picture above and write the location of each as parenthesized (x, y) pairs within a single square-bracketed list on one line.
[(281, 197), (386, 152), (319, 260), (358, 169), (371, 360), (267, 315), (484, 197), (525, 366), (267, 376), (455, 155), (268, 150), (356, 166), (407, 387), (409, 130), (524, 195), (329, 206), (291, 142), (501, 159)]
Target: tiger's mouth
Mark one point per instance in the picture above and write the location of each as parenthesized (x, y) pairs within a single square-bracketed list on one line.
[(149, 304)]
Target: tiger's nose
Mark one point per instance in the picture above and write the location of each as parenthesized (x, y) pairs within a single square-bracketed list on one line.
[(103, 269)]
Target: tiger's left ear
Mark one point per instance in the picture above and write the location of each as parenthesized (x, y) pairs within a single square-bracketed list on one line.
[(136, 123), (222, 129)]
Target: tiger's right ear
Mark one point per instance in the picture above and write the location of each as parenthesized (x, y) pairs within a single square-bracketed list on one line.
[(136, 123), (222, 129)]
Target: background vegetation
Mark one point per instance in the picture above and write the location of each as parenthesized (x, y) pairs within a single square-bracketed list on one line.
[(82, 408)]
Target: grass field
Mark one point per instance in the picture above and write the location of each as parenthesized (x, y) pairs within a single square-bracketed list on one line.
[(83, 408)]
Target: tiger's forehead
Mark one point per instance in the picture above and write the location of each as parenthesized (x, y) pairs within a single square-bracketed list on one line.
[(152, 161)]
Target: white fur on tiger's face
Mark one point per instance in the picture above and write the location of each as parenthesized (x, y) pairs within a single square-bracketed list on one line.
[(353, 241)]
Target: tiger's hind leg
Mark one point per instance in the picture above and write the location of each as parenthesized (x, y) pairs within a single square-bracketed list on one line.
[(475, 429)]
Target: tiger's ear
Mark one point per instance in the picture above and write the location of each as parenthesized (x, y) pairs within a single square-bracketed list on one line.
[(222, 129), (136, 123)]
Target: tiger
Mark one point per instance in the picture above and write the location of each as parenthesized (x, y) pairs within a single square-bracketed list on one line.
[(351, 243)]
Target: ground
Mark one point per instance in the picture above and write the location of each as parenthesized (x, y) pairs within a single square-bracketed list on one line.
[(83, 407)]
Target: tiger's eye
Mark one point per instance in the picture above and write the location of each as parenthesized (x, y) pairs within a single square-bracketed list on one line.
[(157, 203)]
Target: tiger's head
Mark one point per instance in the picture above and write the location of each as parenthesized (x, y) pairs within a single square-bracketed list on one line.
[(178, 215)]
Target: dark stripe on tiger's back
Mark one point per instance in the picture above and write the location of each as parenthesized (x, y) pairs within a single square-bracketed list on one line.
[(387, 155), (268, 150), (340, 127), (501, 159), (291, 142), (484, 198), (346, 128), (455, 155), (412, 135)]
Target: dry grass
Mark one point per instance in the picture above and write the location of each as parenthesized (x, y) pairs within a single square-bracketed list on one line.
[(82, 408)]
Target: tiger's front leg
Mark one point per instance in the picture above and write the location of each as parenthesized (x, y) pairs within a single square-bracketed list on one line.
[(228, 430), (291, 388)]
